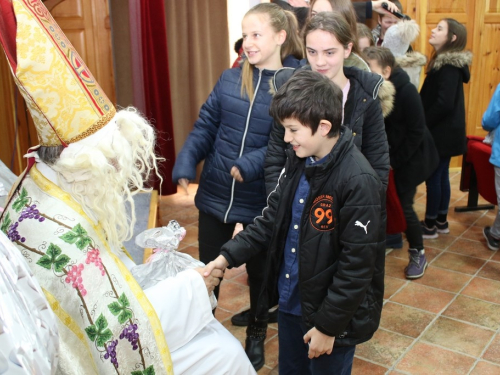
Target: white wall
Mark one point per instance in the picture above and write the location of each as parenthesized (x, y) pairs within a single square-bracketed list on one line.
[(236, 9)]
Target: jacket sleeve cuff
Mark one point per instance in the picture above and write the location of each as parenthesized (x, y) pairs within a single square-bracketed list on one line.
[(369, 10)]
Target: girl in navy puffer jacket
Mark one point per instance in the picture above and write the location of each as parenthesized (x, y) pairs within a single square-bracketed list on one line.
[(232, 132)]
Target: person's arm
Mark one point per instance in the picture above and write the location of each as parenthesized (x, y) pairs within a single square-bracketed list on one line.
[(251, 164), (491, 118), (255, 237), (413, 124), (182, 305), (202, 137), (361, 208), (250, 241), (449, 80), (374, 146), (275, 156), (364, 10)]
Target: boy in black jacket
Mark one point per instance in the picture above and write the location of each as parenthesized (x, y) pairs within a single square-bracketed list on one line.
[(320, 228)]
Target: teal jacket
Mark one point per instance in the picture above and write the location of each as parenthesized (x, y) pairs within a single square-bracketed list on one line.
[(491, 121)]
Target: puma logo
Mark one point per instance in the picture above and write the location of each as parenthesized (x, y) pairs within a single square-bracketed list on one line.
[(360, 224)]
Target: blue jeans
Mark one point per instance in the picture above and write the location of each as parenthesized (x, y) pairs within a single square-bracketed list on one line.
[(293, 358), (438, 190)]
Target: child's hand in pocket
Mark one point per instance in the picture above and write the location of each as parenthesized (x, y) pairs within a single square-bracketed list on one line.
[(319, 343), (235, 173)]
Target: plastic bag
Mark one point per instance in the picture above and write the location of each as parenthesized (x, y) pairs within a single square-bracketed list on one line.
[(166, 261)]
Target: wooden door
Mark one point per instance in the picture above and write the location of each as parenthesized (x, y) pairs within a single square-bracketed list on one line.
[(86, 24)]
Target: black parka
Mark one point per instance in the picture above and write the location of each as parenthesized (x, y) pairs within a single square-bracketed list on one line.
[(443, 99), (341, 266), (411, 148)]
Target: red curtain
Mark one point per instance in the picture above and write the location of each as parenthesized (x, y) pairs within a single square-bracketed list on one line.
[(157, 86)]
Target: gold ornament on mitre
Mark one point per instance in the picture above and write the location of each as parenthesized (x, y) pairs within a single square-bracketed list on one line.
[(66, 102)]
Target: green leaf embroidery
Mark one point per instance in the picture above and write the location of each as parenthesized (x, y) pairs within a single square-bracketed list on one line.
[(124, 300), (69, 237), (45, 262), (99, 331), (115, 308), (6, 223), (104, 337), (53, 251), (77, 236), (21, 201), (124, 316), (53, 257), (101, 323), (83, 242), (120, 308), (91, 332), (61, 262), (78, 229), (149, 371)]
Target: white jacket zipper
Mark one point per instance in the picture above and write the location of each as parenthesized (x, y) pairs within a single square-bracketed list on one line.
[(243, 144)]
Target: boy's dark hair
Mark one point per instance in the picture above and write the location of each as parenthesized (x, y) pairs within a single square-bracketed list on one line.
[(237, 45), (309, 97), (382, 55)]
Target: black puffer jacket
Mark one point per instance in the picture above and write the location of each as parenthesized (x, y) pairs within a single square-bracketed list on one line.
[(411, 148), (443, 100), (341, 268), (362, 114)]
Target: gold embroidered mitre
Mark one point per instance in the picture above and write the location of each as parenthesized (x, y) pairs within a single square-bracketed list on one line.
[(65, 101)]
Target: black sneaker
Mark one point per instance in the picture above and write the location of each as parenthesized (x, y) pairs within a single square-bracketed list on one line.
[(442, 227), (428, 233), (493, 243), (241, 319)]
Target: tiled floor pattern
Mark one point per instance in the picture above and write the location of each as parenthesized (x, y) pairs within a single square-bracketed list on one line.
[(447, 322)]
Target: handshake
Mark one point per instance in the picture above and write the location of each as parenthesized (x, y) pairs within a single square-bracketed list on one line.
[(213, 272)]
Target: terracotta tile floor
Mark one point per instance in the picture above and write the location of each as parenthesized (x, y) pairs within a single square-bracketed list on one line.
[(447, 322)]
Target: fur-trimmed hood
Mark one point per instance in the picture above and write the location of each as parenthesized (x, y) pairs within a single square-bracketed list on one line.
[(460, 60), (456, 59), (411, 59), (386, 96)]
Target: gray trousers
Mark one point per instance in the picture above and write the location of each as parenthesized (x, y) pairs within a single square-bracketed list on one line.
[(495, 229)]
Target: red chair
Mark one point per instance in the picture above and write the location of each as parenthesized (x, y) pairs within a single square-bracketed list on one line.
[(478, 175)]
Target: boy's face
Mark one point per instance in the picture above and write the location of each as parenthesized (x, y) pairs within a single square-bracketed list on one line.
[(304, 142), (386, 21)]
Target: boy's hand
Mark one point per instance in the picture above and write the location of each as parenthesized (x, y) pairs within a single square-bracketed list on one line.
[(220, 263), (212, 280), (235, 173), (319, 343), (237, 229), (184, 183)]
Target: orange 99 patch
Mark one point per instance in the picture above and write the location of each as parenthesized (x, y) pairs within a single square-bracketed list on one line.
[(321, 215)]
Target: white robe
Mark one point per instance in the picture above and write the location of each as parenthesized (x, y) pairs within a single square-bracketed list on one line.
[(198, 343)]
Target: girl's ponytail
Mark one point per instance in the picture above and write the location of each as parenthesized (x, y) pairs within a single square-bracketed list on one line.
[(293, 43), (247, 80)]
